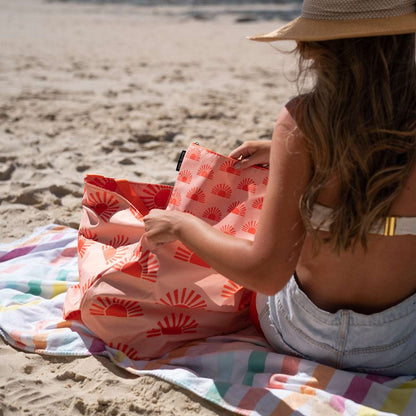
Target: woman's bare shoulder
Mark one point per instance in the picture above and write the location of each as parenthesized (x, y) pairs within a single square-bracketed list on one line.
[(287, 130), (288, 115)]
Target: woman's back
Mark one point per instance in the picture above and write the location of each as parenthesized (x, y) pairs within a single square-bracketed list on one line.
[(368, 280)]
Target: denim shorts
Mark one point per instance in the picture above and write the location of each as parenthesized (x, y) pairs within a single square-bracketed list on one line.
[(381, 343)]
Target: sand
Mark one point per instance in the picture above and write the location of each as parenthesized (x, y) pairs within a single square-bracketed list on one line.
[(119, 89)]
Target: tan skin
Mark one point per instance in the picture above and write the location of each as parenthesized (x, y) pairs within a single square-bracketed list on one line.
[(366, 282)]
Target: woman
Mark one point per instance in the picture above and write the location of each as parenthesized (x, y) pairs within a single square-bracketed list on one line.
[(333, 260)]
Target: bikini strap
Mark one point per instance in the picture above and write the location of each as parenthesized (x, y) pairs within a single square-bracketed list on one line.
[(390, 226)]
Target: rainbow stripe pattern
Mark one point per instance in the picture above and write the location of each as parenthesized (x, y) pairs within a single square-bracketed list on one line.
[(238, 372)]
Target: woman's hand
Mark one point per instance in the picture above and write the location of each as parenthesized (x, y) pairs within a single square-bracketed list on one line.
[(162, 227), (252, 153)]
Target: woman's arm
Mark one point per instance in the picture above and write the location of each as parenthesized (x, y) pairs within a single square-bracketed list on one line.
[(266, 264)]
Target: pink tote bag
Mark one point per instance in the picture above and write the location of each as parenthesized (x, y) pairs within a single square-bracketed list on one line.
[(146, 304)]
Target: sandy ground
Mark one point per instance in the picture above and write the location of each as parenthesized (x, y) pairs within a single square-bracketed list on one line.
[(119, 89)]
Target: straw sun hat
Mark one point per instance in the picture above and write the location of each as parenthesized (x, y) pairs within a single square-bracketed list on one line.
[(338, 19)]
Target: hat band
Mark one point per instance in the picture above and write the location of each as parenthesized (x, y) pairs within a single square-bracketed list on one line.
[(356, 9)]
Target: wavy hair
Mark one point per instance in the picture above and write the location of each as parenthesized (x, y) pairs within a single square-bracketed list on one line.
[(359, 123)]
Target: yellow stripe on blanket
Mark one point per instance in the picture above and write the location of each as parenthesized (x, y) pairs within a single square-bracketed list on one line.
[(59, 287), (367, 411), (398, 399), (19, 306)]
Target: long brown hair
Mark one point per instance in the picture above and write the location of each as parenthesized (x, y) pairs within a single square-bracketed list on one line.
[(359, 123)]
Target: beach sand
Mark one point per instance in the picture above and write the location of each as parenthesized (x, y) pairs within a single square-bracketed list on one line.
[(119, 89)]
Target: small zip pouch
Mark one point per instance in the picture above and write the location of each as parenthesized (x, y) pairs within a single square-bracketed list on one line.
[(147, 303)]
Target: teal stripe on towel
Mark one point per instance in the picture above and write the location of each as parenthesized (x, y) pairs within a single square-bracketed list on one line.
[(35, 287), (217, 391), (256, 364), (63, 275)]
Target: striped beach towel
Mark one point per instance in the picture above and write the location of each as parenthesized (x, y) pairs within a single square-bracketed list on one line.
[(238, 372)]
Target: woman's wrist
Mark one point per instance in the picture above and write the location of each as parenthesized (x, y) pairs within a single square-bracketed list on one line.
[(183, 222)]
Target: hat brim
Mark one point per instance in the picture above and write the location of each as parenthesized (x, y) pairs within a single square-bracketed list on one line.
[(303, 29)]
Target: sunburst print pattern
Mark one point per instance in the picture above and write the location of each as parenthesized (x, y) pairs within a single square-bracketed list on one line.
[(175, 198), (184, 254), (113, 254), (83, 244), (248, 185), (206, 171), (185, 176), (228, 229), (222, 190), (119, 240), (87, 284), (130, 352), (156, 196), (265, 180), (136, 213), (194, 154), (237, 208), (212, 213), (85, 232), (196, 194), (184, 298), (120, 308), (250, 227), (258, 203), (103, 204), (228, 166), (229, 289), (109, 252), (175, 324), (102, 182), (145, 267)]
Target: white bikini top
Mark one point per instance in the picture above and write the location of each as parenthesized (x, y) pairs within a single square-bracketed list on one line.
[(389, 227)]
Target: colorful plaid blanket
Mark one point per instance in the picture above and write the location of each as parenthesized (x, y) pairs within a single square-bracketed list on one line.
[(238, 372)]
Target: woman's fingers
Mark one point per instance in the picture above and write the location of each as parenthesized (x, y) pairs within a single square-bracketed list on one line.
[(150, 244), (245, 163), (159, 228), (242, 151), (251, 153), (147, 243)]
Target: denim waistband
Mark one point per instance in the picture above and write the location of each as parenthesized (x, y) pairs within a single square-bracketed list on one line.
[(298, 298), (382, 342)]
